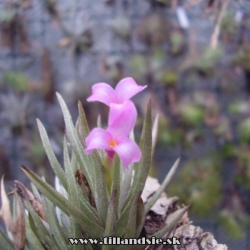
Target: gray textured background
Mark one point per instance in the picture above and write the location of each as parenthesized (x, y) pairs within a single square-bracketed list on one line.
[(44, 34)]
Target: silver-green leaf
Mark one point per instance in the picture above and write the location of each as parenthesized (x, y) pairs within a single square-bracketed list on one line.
[(163, 186)]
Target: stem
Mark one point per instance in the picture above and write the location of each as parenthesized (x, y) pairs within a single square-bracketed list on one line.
[(216, 33)]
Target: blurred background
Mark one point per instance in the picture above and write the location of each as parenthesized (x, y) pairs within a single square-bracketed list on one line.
[(194, 55)]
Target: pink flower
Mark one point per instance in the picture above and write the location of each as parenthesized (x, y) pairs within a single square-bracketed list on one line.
[(115, 138), (124, 90)]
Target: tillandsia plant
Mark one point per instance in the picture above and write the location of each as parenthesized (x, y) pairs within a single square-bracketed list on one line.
[(84, 206)]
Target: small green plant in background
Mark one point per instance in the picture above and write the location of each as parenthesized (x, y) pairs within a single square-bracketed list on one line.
[(202, 185), (229, 221), (17, 81), (169, 77), (203, 189)]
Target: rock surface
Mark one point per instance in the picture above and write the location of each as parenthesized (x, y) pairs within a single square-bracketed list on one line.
[(192, 237)]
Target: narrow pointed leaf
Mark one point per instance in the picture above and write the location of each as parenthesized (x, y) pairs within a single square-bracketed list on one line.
[(134, 228), (90, 247), (5, 242), (140, 217), (89, 226), (99, 125), (141, 168), (126, 178), (32, 240), (83, 122), (90, 164), (139, 247), (126, 183), (155, 132), (5, 212), (75, 229), (75, 233), (35, 191), (37, 225), (71, 181), (163, 186), (74, 161), (55, 229), (171, 223), (89, 211), (75, 142), (50, 153), (130, 231), (100, 186), (53, 244), (111, 219), (116, 182), (122, 223)]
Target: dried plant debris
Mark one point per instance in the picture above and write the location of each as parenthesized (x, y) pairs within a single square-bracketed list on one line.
[(153, 30), (82, 181), (212, 6), (5, 168), (25, 4), (110, 2), (27, 195), (52, 9), (160, 3), (13, 29), (15, 224), (48, 77), (192, 237)]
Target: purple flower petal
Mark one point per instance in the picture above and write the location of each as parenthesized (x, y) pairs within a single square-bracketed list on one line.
[(122, 120), (104, 93), (98, 138), (115, 110), (128, 152), (127, 88)]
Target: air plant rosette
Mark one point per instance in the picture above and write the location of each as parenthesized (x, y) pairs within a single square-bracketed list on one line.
[(103, 190)]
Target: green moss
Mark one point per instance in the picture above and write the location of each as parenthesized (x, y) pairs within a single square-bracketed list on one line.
[(169, 77), (244, 130), (170, 137), (227, 150), (230, 224), (16, 80), (243, 160), (209, 59), (238, 107), (242, 58), (200, 185), (176, 42), (192, 114), (228, 23)]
